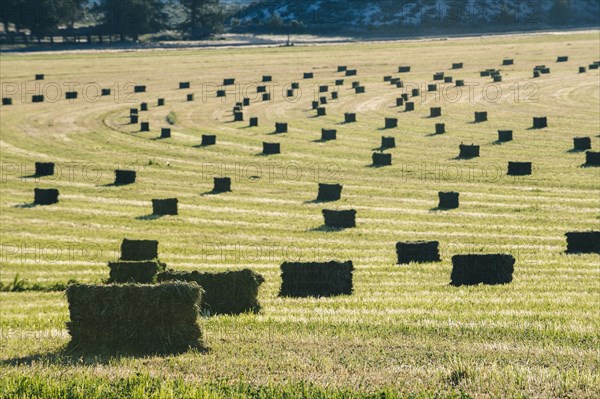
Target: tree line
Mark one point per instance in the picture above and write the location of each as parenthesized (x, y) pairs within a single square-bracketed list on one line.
[(125, 18)]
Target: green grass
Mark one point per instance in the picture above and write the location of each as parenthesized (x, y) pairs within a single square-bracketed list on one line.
[(404, 331)]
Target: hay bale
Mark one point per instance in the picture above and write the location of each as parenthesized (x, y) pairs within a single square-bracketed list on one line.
[(562, 58), (457, 65), (592, 158), (448, 79), (582, 69), (505, 135), (484, 73), (322, 100), (382, 159), (415, 93), (222, 185), (184, 85), (438, 76), (540, 122), (355, 84), (123, 177), (133, 119), (593, 66), (468, 151), (359, 89), (308, 75), (409, 106), (315, 104), (189, 97), (143, 106), (133, 111), (417, 251), (39, 98), (141, 272), (253, 121), (435, 112), (70, 95), (135, 318), (583, 242), (232, 292), (349, 117), (404, 96), (271, 148), (139, 89), (208, 139), (45, 196), (440, 128), (432, 87), (316, 279), (339, 219), (44, 168), (238, 116), (339, 82), (139, 249), (39, 76), (329, 192), (388, 142), (387, 78), (393, 81), (295, 85), (481, 116), (404, 69), (290, 93), (167, 206), (328, 134), (460, 83), (508, 61), (391, 123), (165, 133), (399, 84), (342, 68), (144, 126), (482, 269), (281, 127), (582, 143), (246, 102), (266, 97), (497, 79), (519, 168), (228, 81), (448, 200), (6, 101), (221, 93), (536, 74), (351, 72), (334, 95), (267, 78), (105, 92), (399, 102), (323, 88)]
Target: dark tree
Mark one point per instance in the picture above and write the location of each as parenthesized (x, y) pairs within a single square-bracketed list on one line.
[(204, 17), (131, 17)]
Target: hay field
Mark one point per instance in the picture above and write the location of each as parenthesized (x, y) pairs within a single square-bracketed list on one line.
[(404, 331)]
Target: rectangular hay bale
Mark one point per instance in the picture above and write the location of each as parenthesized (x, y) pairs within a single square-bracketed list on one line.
[(135, 318), (313, 279)]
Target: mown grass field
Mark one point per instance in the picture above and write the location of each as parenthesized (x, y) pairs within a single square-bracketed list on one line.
[(405, 331)]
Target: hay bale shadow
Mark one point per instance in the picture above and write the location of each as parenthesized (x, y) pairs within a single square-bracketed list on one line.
[(213, 192), (26, 205), (575, 151), (149, 217), (327, 229)]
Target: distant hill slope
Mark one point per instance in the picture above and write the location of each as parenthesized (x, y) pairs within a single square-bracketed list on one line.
[(406, 15)]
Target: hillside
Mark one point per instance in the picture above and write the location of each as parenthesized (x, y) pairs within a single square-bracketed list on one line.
[(389, 16)]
